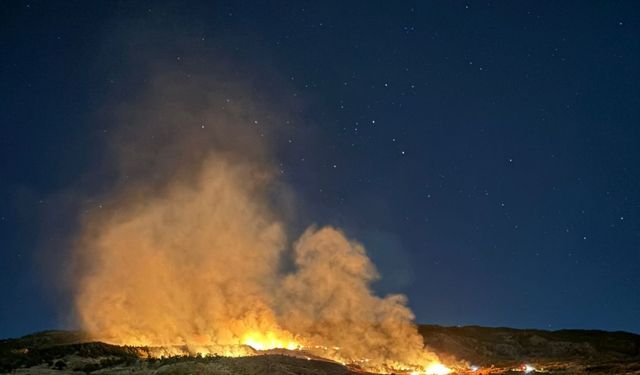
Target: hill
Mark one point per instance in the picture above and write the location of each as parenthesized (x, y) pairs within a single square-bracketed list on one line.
[(494, 350)]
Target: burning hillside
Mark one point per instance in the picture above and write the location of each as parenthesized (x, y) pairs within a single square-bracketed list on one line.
[(487, 350), (188, 252), (212, 284)]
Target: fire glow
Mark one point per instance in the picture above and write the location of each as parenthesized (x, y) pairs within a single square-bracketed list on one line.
[(265, 343), (325, 307), (186, 255), (258, 341)]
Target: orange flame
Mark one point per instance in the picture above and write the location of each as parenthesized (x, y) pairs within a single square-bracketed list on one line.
[(267, 341)]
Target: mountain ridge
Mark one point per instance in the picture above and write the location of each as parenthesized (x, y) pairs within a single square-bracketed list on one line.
[(493, 349)]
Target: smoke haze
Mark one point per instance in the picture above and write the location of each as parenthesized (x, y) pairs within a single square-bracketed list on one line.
[(188, 246)]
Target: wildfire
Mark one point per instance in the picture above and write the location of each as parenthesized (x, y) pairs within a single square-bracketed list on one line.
[(256, 341), (191, 264), (437, 369), (259, 341)]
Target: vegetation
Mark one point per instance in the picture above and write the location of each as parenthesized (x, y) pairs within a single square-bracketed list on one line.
[(34, 350), (491, 345), (593, 352)]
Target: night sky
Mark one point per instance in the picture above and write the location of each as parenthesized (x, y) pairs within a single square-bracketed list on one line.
[(486, 153)]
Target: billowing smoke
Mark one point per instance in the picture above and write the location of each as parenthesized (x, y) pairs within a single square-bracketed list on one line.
[(329, 301), (189, 247)]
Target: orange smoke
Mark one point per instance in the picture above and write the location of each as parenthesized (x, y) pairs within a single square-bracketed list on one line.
[(187, 250)]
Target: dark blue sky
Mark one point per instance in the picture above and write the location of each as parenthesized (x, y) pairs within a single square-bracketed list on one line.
[(487, 154)]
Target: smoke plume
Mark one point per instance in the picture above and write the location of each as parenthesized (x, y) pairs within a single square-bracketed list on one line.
[(189, 247)]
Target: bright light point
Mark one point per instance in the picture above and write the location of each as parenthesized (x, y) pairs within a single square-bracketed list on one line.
[(268, 341), (474, 368), (528, 369), (437, 369)]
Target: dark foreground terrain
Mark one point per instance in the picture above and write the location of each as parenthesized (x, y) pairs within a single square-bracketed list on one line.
[(556, 352), (493, 350)]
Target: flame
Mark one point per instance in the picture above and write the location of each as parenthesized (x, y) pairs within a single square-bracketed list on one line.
[(256, 341), (437, 369), (259, 341)]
